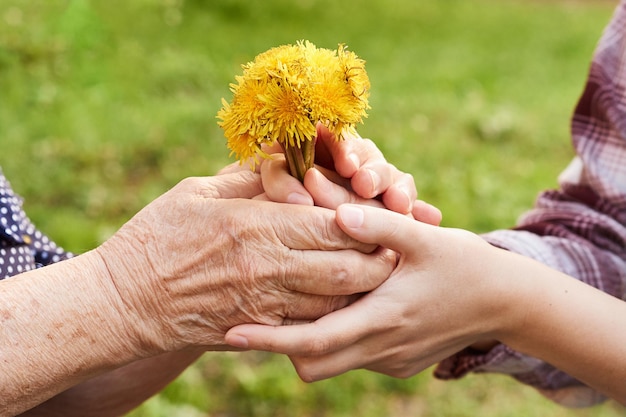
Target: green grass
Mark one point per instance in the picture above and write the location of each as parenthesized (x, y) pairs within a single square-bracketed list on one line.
[(105, 105)]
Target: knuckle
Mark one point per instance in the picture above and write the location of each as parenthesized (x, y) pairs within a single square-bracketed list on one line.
[(371, 147), (187, 184), (319, 346), (330, 235), (341, 277), (274, 164), (368, 143), (406, 178)]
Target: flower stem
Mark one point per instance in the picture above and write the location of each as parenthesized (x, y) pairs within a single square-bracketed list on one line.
[(299, 159)]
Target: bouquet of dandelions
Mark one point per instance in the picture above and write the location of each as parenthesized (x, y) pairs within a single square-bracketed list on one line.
[(285, 92)]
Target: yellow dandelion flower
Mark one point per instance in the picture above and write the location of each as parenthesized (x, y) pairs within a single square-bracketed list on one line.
[(285, 92)]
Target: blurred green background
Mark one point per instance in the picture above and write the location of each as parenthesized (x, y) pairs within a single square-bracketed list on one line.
[(105, 105)]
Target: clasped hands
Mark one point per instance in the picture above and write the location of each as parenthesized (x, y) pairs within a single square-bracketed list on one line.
[(212, 264), (401, 327)]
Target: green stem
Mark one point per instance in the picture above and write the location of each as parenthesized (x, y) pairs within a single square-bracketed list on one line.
[(299, 159), (308, 152)]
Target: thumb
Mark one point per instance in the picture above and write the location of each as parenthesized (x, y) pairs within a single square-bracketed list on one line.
[(379, 226)]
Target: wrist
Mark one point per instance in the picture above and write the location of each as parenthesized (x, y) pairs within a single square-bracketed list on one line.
[(501, 288), (122, 317), (130, 293), (105, 309), (65, 327), (515, 291)]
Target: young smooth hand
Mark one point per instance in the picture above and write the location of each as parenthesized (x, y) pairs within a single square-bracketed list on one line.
[(451, 290), (352, 170)]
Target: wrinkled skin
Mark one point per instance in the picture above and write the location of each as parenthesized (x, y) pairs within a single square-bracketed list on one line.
[(409, 322), (258, 262), (208, 255)]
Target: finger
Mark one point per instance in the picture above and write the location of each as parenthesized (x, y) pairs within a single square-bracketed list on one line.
[(376, 176), (382, 227), (316, 368), (325, 348), (348, 152), (315, 254), (426, 213), (261, 197), (332, 345), (326, 193), (299, 227), (363, 153), (324, 336), (373, 178), (401, 195), (304, 308), (280, 186), (313, 369), (337, 272), (271, 149), (370, 173), (292, 227), (333, 176)]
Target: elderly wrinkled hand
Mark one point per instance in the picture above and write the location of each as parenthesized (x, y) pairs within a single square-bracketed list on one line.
[(200, 260)]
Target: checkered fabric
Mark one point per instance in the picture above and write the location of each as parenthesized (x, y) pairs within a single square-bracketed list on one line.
[(579, 229)]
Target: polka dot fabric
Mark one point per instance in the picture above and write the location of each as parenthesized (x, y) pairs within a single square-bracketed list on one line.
[(22, 246)]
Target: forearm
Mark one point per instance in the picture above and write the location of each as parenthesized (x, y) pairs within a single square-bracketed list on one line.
[(569, 324), (116, 393), (48, 341)]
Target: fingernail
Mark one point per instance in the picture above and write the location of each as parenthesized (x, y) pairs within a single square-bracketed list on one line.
[(375, 180), (407, 194), (321, 183), (351, 216), (297, 198), (238, 341), (355, 160)]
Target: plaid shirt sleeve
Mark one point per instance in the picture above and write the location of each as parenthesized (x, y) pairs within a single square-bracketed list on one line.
[(579, 229)]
